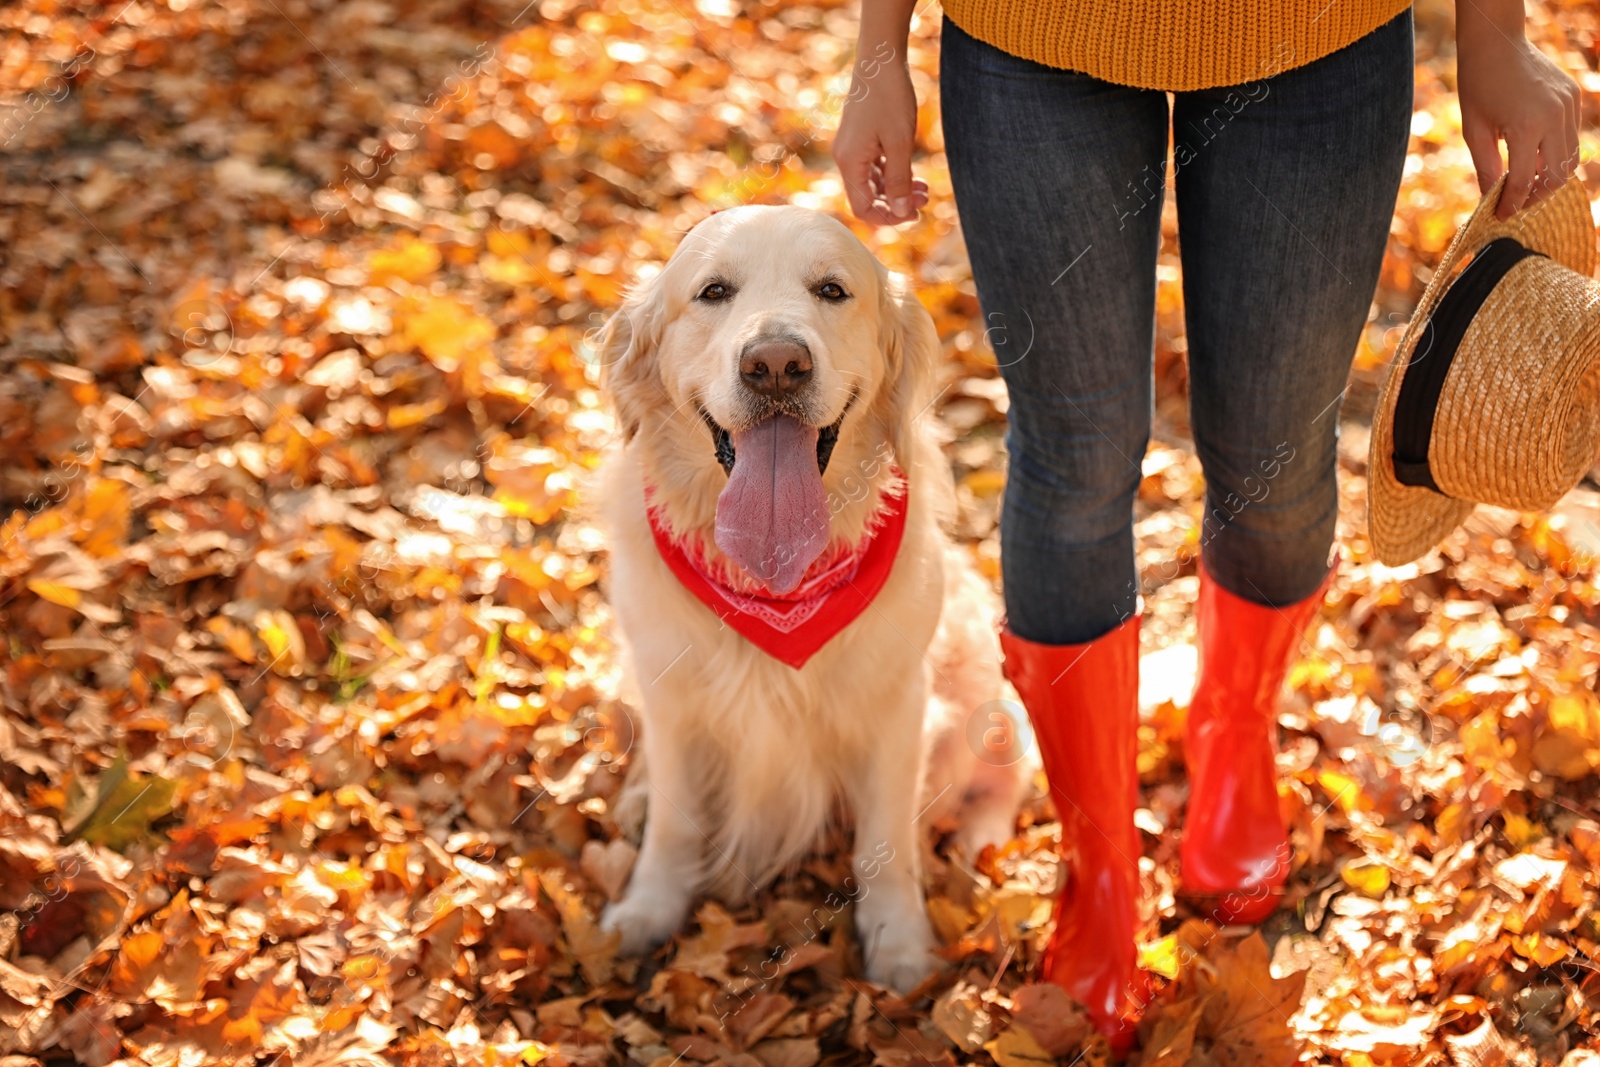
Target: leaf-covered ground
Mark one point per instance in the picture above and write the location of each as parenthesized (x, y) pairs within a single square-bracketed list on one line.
[(310, 747)]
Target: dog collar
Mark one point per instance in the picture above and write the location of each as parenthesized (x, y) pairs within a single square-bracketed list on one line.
[(790, 627)]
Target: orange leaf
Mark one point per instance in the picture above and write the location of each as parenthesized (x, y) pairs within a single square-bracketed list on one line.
[(446, 331), (410, 258)]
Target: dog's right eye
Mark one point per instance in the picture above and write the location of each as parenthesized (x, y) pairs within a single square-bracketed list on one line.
[(713, 292)]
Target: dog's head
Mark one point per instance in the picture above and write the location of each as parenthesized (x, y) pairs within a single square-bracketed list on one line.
[(769, 368)]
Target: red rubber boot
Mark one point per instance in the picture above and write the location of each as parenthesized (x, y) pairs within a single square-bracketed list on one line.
[(1083, 702), (1235, 847)]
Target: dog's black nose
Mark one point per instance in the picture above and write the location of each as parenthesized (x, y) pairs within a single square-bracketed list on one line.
[(775, 368)]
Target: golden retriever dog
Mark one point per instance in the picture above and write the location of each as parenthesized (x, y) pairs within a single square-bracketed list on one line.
[(771, 385)]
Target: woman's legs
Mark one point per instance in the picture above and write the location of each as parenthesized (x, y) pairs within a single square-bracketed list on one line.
[(1285, 192), (1059, 177)]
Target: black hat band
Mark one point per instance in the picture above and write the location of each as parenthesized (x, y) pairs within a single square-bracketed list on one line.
[(1435, 351)]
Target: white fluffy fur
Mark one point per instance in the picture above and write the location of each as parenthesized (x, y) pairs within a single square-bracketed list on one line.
[(743, 758)]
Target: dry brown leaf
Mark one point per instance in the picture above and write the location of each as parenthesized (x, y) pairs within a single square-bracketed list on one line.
[(1017, 1048), (788, 1052), (961, 1015), (1053, 1019), (608, 864)]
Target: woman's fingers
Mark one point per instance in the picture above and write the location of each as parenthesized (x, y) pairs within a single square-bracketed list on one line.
[(1558, 151), (897, 183), (883, 212), (863, 187), (918, 186), (864, 167), (855, 162), (1552, 153), (1572, 147), (1485, 149), (1523, 150)]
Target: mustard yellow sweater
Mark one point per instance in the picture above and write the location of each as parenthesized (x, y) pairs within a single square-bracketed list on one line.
[(1172, 44)]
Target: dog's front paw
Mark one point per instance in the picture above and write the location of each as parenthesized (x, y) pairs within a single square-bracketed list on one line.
[(900, 953), (645, 919)]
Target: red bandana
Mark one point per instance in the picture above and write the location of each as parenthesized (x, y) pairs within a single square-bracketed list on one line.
[(792, 626)]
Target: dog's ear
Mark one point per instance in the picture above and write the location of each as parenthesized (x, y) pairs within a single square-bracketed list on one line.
[(627, 353), (911, 351)]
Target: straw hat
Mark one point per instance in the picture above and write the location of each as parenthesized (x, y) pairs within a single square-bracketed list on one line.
[(1493, 396)]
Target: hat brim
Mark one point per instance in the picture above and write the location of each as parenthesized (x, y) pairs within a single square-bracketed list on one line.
[(1405, 521)]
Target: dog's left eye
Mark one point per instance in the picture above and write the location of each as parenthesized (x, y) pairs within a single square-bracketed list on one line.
[(832, 291)]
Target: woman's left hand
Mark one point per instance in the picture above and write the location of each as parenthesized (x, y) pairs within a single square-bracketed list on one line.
[(1511, 91)]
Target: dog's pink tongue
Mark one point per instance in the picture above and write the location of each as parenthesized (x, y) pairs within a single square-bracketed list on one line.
[(772, 516)]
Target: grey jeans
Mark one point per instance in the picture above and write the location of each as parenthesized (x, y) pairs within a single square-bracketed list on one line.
[(1286, 187)]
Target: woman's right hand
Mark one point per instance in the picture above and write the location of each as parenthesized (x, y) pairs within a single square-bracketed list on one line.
[(877, 132), (1511, 91)]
